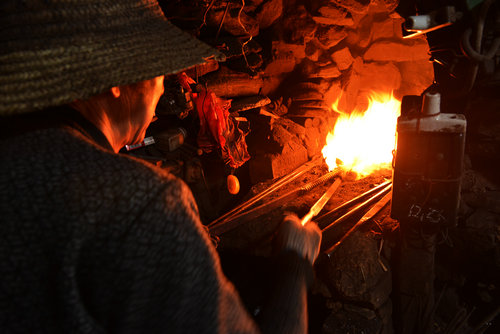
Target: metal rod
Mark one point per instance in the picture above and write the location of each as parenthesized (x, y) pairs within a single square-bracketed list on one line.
[(234, 220), (289, 195), (358, 208), (222, 21), (353, 201), (486, 322), (367, 217), (462, 322), (318, 206), (286, 179), (452, 325), (322, 179)]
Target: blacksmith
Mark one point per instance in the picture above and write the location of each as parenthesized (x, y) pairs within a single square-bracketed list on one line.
[(92, 241)]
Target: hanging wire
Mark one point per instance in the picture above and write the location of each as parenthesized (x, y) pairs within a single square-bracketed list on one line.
[(222, 21), (204, 23), (246, 31)]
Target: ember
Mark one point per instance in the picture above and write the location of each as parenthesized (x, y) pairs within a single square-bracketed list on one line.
[(363, 141)]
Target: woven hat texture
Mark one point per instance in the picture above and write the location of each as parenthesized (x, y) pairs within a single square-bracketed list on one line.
[(55, 51)]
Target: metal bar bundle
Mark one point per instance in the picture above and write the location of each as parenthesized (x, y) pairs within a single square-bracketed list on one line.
[(358, 208), (318, 206), (283, 181), (235, 219), (367, 217), (354, 211), (327, 216)]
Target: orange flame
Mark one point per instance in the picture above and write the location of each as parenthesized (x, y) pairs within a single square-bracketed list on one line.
[(363, 141)]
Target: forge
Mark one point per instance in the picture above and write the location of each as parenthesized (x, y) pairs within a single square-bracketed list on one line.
[(310, 87)]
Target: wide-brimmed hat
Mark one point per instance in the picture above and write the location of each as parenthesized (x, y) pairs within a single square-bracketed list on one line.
[(53, 52)]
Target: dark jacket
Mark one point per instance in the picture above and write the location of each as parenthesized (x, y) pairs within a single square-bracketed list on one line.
[(96, 242)]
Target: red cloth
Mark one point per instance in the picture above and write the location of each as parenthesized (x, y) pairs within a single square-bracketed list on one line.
[(217, 128)]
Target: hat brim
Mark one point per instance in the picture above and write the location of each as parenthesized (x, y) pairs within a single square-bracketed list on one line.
[(85, 64)]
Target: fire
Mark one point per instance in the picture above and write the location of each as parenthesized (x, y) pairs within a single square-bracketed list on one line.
[(363, 141)]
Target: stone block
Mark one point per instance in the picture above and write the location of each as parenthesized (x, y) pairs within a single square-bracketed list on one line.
[(350, 90), (333, 93), (347, 22), (228, 83), (390, 5), (333, 11), (362, 35), (328, 72), (397, 51), (250, 102), (312, 104), (309, 95), (381, 77), (270, 84), (304, 89), (313, 141), (416, 76), (284, 58), (385, 29), (329, 36), (331, 14), (342, 58), (312, 50), (270, 11), (273, 165), (354, 6), (281, 64), (307, 67), (297, 26), (291, 126), (277, 149), (281, 49)]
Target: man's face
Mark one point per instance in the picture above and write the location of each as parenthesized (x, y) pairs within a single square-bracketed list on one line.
[(142, 100)]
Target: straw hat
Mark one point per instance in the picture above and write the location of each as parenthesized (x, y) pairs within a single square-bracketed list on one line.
[(55, 51)]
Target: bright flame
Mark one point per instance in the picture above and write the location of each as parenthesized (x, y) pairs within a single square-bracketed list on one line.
[(363, 141)]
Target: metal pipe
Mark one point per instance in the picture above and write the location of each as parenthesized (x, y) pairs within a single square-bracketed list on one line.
[(234, 220), (328, 215), (286, 179), (318, 206), (486, 322), (367, 217), (357, 208)]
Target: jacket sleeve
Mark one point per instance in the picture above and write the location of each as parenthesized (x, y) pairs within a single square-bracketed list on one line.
[(286, 307)]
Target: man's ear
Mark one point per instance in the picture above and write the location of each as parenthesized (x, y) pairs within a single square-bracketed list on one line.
[(115, 91)]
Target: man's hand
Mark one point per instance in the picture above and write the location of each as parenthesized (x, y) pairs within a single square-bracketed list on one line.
[(305, 240)]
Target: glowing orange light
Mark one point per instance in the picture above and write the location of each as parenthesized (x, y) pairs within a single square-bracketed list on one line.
[(363, 141)]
